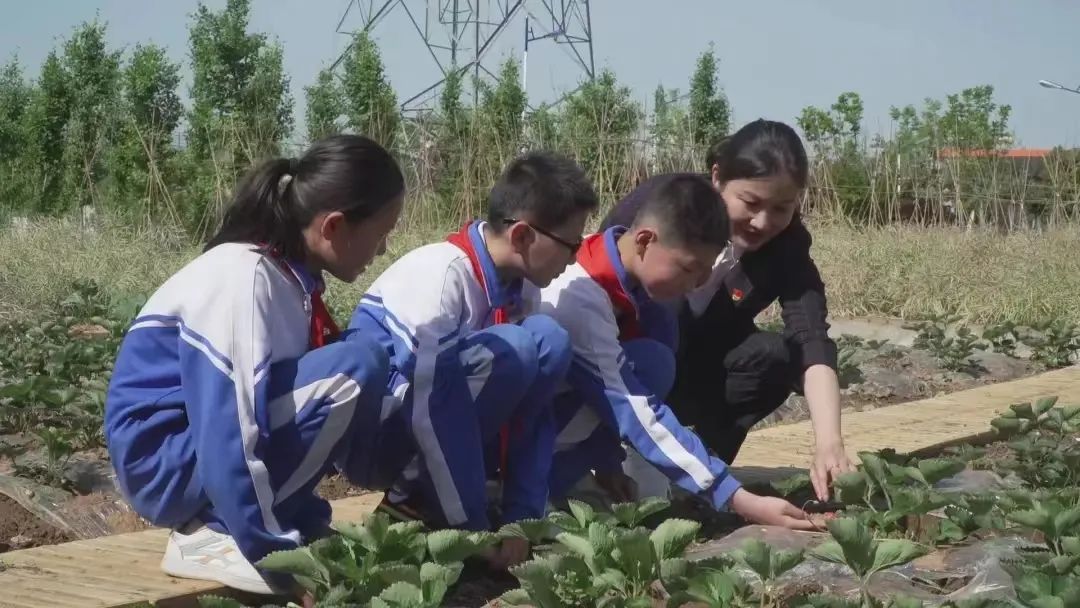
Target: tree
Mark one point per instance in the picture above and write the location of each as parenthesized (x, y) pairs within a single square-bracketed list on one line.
[(153, 110), (324, 106), (599, 123), (503, 106), (15, 178), (93, 74), (834, 131), (240, 94), (47, 119), (241, 107), (710, 113), (370, 102)]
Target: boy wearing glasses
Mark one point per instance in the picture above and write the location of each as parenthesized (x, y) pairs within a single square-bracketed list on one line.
[(473, 368)]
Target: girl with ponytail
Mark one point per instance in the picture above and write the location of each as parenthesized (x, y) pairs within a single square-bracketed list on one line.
[(231, 396)]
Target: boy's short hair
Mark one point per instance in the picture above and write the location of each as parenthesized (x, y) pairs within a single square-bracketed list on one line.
[(547, 187), (689, 211)]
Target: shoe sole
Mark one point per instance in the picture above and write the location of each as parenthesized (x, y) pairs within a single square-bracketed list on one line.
[(181, 568)]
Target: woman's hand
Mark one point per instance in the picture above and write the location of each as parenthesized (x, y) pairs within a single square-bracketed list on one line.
[(769, 511), (830, 461)]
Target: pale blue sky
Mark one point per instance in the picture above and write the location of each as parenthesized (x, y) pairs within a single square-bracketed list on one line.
[(777, 56)]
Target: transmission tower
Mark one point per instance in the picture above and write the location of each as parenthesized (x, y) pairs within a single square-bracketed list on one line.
[(459, 33)]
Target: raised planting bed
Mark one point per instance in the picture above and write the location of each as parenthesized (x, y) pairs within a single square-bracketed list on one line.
[(955, 529)]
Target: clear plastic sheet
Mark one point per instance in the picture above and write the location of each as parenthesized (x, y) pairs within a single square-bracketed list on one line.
[(947, 574)]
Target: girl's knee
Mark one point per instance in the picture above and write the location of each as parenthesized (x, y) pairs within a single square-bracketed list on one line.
[(364, 360)]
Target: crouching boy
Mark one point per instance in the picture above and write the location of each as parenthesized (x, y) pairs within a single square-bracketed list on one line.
[(473, 367), (611, 303)]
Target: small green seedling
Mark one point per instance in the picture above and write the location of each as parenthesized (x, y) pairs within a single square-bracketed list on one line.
[(853, 546)]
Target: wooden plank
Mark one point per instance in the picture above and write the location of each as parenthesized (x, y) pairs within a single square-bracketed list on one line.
[(115, 571), (122, 570)]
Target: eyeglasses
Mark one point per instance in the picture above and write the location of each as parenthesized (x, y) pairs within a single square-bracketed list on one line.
[(573, 247)]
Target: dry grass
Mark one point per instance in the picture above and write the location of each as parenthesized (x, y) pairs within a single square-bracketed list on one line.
[(985, 276), (904, 272)]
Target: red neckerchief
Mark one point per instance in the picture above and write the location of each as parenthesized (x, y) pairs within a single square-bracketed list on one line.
[(461, 238), (500, 314), (596, 259), (323, 329)]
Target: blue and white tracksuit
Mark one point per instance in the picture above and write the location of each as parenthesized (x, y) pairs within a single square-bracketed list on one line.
[(617, 384), (217, 411), (461, 378)]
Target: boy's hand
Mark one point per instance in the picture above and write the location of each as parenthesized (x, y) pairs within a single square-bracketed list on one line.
[(507, 554), (620, 486), (770, 511)]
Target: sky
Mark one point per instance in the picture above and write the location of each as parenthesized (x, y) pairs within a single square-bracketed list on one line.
[(776, 56)]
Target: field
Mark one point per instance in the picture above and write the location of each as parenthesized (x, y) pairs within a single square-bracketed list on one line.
[(978, 306)]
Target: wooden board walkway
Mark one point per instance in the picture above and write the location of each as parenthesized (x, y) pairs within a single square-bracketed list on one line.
[(122, 570)]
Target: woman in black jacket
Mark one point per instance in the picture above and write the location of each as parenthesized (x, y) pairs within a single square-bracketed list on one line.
[(731, 374)]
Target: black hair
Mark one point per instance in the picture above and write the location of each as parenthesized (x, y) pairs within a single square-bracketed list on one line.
[(689, 212), (275, 202), (763, 148), (546, 187)]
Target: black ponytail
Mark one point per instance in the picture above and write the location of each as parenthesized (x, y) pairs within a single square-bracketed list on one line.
[(763, 148), (275, 202)]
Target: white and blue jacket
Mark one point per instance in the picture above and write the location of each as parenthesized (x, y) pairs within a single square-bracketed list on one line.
[(188, 414), (421, 309), (596, 303)]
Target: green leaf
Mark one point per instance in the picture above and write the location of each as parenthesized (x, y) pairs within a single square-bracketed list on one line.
[(295, 561), (611, 579), (450, 546), (1043, 405), (368, 535), (402, 595), (894, 552), (1071, 545), (855, 541), (830, 551), (1037, 519), (793, 484), (625, 513), (711, 587), (435, 579), (634, 555), (1066, 522), (515, 597), (650, 506), (537, 578), (905, 602), (673, 571), (583, 513), (673, 536), (936, 469), (949, 531), (213, 601), (578, 545), (565, 522), (785, 559), (756, 556), (533, 530), (1006, 426), (875, 468), (388, 574), (850, 487), (1023, 411)]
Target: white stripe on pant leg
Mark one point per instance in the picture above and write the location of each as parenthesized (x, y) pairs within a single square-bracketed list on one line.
[(424, 431), (479, 360), (285, 408), (343, 392)]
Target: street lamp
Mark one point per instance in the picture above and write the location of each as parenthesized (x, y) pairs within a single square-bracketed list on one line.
[(1050, 84)]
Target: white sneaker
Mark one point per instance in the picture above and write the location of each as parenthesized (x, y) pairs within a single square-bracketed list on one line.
[(207, 555)]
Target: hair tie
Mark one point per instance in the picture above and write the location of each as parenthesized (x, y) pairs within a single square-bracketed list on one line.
[(283, 183), (294, 166)]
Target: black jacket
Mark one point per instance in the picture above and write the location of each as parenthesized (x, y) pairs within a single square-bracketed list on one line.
[(781, 270)]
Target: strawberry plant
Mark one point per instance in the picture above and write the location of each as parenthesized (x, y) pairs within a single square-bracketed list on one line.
[(954, 351), (1002, 338), (1055, 344), (1046, 453), (396, 564), (599, 561), (852, 545)]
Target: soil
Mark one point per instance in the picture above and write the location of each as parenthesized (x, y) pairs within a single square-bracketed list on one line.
[(20, 529), (334, 487)]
